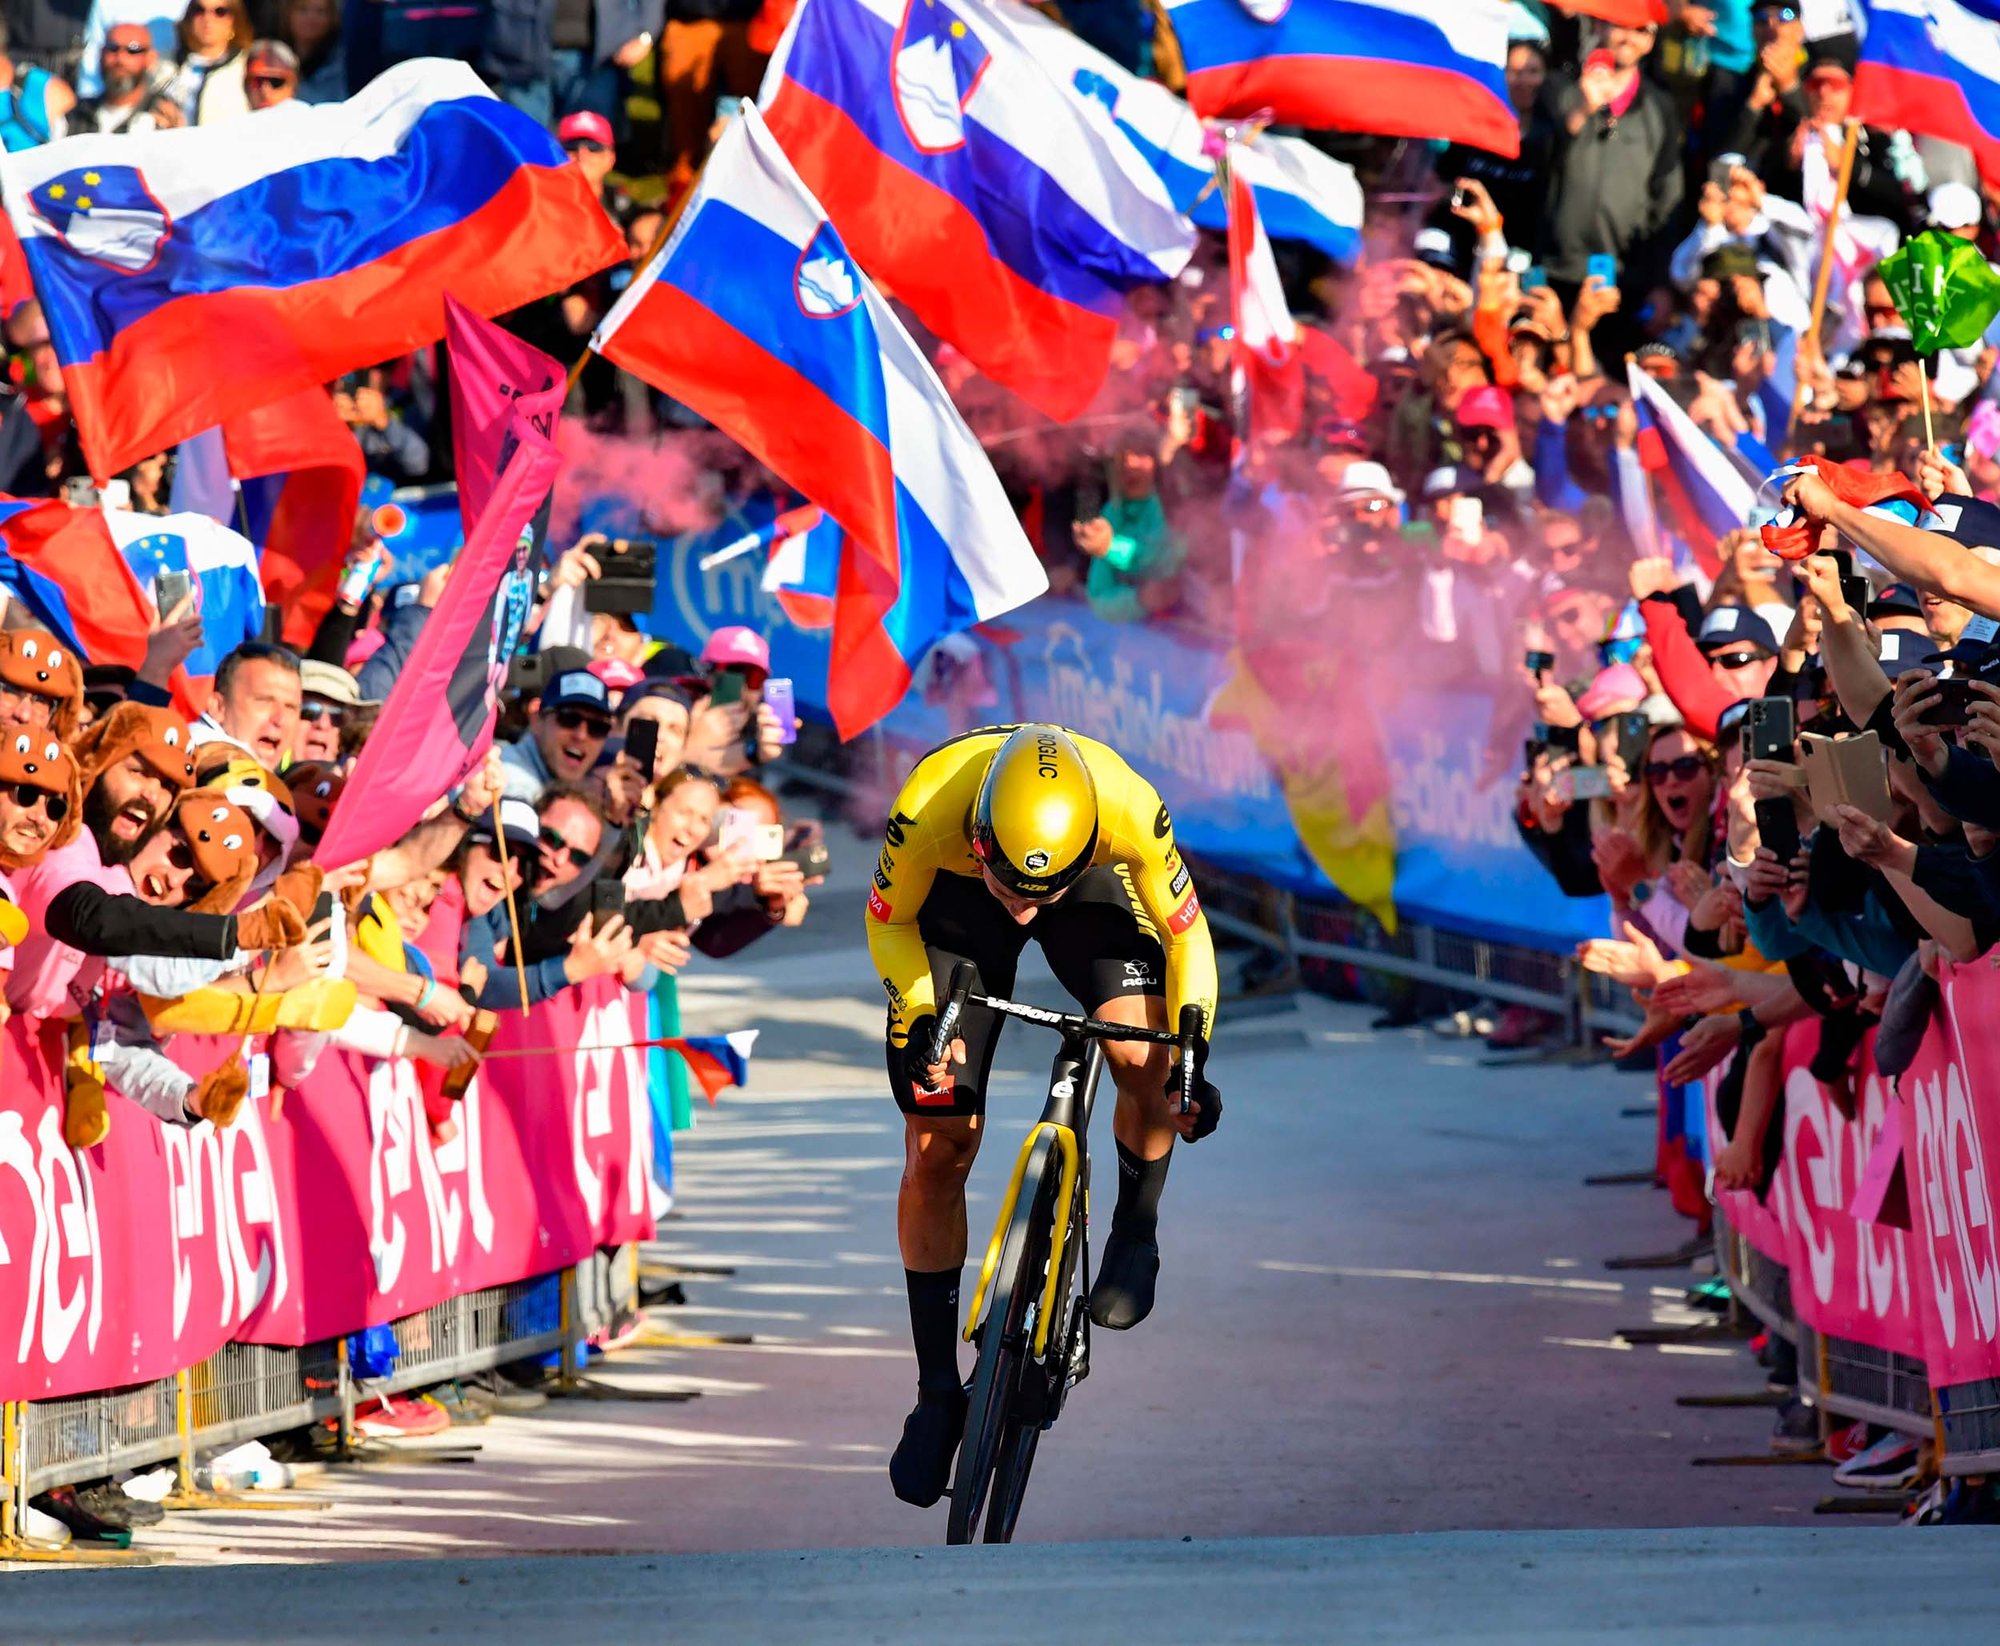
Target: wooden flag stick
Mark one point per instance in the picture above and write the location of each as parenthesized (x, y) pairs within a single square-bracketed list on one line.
[(1824, 283), (513, 916)]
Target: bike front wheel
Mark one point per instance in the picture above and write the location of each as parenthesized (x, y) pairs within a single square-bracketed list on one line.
[(1003, 1362)]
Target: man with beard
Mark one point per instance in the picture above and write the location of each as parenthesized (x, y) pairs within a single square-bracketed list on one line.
[(132, 84), (80, 898)]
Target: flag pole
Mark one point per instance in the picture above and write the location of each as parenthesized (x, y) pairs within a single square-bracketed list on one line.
[(667, 226), (1924, 377), (1824, 283), (513, 916)]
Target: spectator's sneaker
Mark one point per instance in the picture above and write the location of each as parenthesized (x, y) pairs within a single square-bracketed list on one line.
[(661, 1294), (109, 1503), (920, 1468), (1122, 1294), (84, 1527), (510, 1397), (1890, 1465), (397, 1417), (457, 1405), (1845, 1445), (622, 1333), (1796, 1431)]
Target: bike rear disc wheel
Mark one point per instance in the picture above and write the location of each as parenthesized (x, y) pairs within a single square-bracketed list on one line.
[(1003, 1348), (1010, 1480)]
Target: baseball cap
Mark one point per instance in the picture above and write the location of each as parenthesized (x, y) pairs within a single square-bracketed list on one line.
[(733, 645), (275, 53), (1436, 247), (1896, 600), (1955, 206), (616, 673), (1452, 481), (330, 681), (1487, 407), (1726, 626), (1618, 687), (577, 689), (518, 823), (586, 125), (1903, 651), (1367, 480)]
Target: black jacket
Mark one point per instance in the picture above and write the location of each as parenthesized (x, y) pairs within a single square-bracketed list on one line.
[(1614, 188)]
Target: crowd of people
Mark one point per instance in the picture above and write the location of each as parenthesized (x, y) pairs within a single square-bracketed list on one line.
[(1455, 456)]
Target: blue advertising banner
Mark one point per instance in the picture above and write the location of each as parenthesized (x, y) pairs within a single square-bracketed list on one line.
[(1150, 692)]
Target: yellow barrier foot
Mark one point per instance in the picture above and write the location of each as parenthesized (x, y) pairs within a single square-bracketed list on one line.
[(586, 1388), (200, 1502), (652, 1339), (75, 1554)]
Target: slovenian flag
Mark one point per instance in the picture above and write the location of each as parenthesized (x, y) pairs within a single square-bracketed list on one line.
[(717, 1061), (1706, 491), (64, 564), (803, 571), (1933, 67), (756, 317), (1302, 193), (221, 566), (1432, 69), (193, 274), (1009, 216)]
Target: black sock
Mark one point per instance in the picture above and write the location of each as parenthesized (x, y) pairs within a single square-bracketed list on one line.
[(934, 1328), (1139, 1185)]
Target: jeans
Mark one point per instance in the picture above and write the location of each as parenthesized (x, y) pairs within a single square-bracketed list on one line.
[(575, 82)]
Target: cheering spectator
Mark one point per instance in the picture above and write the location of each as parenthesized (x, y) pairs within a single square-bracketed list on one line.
[(567, 728), (1615, 169), (133, 84), (255, 703), (208, 84), (271, 74)]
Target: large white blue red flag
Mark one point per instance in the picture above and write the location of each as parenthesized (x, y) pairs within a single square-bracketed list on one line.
[(756, 315), (1009, 214), (1401, 68), (1933, 67), (1706, 491), (1302, 192), (193, 274), (221, 568)]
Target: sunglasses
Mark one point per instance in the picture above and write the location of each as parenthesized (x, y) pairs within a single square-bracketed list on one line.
[(28, 796), (589, 144), (212, 11), (271, 82), (575, 720), (552, 838), (1736, 660), (313, 713), (1684, 769), (139, 50)]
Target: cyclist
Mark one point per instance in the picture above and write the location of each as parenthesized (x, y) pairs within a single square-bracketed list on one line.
[(998, 836)]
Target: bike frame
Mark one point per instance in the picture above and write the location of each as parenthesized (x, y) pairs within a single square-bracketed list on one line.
[(1079, 1065)]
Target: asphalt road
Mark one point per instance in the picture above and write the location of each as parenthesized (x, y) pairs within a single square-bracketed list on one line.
[(1383, 1310)]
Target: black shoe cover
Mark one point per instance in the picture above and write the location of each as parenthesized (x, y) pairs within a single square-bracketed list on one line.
[(920, 1470), (1123, 1293)]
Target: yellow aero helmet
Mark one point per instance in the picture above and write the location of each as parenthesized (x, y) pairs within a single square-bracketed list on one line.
[(1034, 825)]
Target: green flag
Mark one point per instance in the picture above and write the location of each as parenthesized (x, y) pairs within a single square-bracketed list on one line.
[(1946, 292)]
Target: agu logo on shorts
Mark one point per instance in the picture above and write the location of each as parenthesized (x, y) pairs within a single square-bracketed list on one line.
[(1186, 914), (878, 905)]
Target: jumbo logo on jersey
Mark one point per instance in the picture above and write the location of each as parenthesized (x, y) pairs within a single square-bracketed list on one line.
[(107, 214), (936, 63)]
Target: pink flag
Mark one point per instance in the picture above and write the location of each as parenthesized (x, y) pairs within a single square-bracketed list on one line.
[(439, 719), (492, 374)]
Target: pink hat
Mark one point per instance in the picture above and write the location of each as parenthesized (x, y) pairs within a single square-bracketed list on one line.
[(616, 673), (1617, 690), (588, 125), (1485, 407), (745, 648)]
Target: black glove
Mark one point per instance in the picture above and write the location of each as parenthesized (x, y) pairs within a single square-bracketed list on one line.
[(916, 1053), (1206, 1096)]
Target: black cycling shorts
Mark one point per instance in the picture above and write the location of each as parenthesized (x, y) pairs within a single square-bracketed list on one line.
[(1096, 941)]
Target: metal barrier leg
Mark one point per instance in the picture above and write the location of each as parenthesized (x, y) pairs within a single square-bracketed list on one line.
[(566, 1370), (345, 1449), (15, 1544), (192, 1498)]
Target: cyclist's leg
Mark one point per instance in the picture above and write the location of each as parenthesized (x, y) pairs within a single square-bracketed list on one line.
[(941, 1137), (1104, 951)]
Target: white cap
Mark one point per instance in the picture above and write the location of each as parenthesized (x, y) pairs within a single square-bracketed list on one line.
[(1368, 480), (1956, 206)]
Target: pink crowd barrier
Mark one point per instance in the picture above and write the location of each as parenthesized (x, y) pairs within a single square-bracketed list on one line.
[(144, 1255)]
